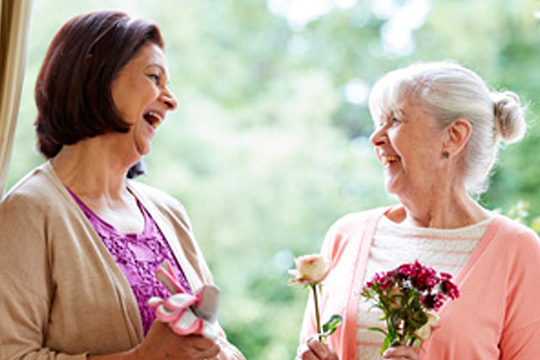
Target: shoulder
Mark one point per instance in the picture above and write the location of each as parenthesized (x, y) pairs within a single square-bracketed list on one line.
[(164, 203), (511, 230), (158, 197), (356, 221), (33, 210), (349, 229), (516, 241), (34, 193)]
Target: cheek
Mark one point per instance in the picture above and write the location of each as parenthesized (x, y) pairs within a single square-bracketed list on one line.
[(123, 98), (146, 95)]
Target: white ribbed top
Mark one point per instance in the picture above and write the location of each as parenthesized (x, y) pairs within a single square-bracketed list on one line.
[(446, 250)]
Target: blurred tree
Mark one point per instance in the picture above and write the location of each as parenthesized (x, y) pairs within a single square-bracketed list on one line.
[(270, 144)]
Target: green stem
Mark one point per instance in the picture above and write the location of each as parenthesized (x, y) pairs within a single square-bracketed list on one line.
[(317, 316)]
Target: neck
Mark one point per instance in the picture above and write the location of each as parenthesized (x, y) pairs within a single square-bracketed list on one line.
[(92, 168), (440, 208)]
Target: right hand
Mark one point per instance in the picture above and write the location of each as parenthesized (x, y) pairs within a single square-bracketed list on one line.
[(313, 349), (162, 343), (401, 353)]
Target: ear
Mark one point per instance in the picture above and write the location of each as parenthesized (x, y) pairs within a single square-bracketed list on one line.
[(457, 135)]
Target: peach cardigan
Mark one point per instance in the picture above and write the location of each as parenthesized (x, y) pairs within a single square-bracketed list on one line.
[(497, 316), (62, 296)]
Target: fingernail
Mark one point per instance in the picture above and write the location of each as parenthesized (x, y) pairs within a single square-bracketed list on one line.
[(324, 352)]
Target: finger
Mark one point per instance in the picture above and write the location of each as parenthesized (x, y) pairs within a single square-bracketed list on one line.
[(318, 348), (209, 353), (333, 355), (305, 353), (308, 355), (300, 352), (200, 342), (401, 353)]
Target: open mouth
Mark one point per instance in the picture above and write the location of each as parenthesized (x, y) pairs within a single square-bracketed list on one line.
[(153, 118), (389, 159)]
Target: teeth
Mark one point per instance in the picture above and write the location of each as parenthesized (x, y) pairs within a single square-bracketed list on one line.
[(155, 118), (388, 159)]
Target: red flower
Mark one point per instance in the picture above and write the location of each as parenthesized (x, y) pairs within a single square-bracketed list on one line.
[(407, 270), (406, 295)]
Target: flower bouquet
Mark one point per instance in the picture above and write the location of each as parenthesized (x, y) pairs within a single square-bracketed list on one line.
[(310, 271), (409, 296)]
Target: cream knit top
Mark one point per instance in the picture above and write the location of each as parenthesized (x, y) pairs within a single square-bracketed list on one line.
[(446, 250)]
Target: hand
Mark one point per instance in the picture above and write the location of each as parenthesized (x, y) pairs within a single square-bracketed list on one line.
[(401, 353), (313, 349), (162, 343)]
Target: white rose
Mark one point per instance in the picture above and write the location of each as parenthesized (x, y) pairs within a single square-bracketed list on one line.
[(310, 269)]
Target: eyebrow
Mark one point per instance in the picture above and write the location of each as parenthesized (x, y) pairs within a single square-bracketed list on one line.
[(158, 65), (162, 68)]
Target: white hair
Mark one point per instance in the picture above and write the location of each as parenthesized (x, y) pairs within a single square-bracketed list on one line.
[(449, 91)]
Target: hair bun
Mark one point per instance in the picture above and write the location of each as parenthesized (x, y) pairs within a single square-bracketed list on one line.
[(509, 117)]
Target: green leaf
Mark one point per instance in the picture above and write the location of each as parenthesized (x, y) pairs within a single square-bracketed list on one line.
[(378, 329), (386, 344), (332, 324), (391, 331)]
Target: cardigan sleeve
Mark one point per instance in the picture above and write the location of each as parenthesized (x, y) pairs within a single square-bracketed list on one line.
[(520, 338), (26, 289), (340, 250)]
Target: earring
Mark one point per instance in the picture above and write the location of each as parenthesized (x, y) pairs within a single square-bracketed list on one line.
[(446, 154)]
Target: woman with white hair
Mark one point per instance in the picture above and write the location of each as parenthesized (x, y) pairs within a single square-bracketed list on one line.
[(437, 133)]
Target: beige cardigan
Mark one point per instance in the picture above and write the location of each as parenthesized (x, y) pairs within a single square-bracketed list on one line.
[(62, 296)]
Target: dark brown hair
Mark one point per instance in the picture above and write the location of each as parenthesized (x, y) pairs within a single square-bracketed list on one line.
[(73, 90)]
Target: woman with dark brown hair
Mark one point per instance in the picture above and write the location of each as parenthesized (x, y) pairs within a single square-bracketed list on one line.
[(80, 243)]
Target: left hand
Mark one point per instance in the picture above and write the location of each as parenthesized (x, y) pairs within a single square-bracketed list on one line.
[(401, 353)]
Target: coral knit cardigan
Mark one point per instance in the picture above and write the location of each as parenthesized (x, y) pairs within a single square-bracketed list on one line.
[(497, 316)]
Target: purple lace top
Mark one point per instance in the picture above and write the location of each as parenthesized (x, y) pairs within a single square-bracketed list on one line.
[(138, 256)]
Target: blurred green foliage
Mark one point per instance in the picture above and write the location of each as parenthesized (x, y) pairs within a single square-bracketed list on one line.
[(270, 143), (520, 213)]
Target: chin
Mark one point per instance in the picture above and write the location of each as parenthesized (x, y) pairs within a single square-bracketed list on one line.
[(392, 188), (144, 149)]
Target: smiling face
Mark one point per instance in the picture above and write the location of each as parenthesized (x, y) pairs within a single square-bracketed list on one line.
[(142, 98), (409, 142)]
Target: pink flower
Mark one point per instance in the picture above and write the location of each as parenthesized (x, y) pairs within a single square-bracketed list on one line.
[(387, 280), (407, 295), (376, 278), (407, 270), (445, 276), (450, 289), (310, 269)]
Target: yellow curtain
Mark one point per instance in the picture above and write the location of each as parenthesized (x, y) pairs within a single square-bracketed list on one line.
[(14, 24)]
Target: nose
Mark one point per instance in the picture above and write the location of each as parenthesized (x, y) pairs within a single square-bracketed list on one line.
[(378, 137), (168, 98)]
